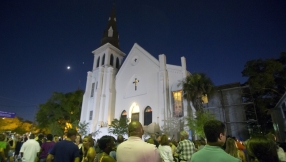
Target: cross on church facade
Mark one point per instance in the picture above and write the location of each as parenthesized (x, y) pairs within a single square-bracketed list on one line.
[(135, 82)]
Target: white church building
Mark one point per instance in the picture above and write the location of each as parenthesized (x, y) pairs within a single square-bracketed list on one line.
[(139, 87)]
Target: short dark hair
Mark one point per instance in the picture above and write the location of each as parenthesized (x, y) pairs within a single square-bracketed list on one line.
[(164, 140), (50, 137), (262, 149), (103, 141), (32, 136), (71, 132), (213, 129)]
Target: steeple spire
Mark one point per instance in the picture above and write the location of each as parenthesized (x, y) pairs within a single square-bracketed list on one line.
[(110, 34)]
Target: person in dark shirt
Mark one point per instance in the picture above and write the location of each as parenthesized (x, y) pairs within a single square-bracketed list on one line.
[(65, 150)]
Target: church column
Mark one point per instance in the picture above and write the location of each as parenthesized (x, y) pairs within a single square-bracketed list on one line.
[(164, 90), (184, 66), (97, 100), (84, 114)]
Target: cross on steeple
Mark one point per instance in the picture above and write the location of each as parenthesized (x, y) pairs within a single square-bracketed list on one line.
[(135, 82)]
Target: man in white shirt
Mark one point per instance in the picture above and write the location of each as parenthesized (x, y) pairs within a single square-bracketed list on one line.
[(30, 149), (135, 149)]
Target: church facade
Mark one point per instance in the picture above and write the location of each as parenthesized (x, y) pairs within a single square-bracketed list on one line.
[(139, 87)]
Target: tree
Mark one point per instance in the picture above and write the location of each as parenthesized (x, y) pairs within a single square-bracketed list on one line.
[(17, 124), (267, 81), (60, 111), (198, 123), (194, 88), (119, 127), (82, 128), (172, 126)]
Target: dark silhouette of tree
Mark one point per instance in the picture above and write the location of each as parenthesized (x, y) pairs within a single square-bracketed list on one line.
[(267, 81)]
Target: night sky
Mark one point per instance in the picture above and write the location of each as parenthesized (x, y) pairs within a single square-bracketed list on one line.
[(39, 39)]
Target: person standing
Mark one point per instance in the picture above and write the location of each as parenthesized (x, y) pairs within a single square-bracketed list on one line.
[(65, 150), (185, 148), (88, 149), (165, 149), (215, 133), (46, 147), (135, 149), (30, 149)]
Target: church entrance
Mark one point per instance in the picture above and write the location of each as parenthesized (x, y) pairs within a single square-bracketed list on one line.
[(135, 113), (135, 117)]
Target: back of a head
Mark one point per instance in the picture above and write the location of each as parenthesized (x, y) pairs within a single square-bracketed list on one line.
[(120, 139), (184, 134), (212, 129), (262, 149), (135, 129), (71, 132), (32, 136), (164, 140), (231, 147), (50, 137), (103, 141)]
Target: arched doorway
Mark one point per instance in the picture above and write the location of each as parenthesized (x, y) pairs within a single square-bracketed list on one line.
[(147, 115), (135, 113)]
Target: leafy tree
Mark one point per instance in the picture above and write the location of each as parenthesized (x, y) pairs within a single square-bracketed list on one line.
[(119, 127), (82, 128), (17, 124), (172, 126), (194, 88), (59, 110), (267, 81), (198, 123)]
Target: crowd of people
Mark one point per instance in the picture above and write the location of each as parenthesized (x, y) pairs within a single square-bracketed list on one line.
[(217, 147)]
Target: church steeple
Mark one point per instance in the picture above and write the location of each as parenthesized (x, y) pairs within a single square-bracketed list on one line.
[(110, 34)]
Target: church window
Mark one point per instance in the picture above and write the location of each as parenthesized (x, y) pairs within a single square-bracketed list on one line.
[(96, 85), (177, 98), (148, 115), (103, 59), (111, 60), (123, 115), (92, 90), (117, 63), (97, 65), (90, 115), (110, 32)]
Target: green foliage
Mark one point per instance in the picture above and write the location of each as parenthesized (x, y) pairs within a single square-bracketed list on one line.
[(60, 109), (82, 128), (267, 81), (194, 88), (119, 127), (198, 123), (16, 124), (172, 126)]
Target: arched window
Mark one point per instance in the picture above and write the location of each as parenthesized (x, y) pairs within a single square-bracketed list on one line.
[(147, 115), (117, 63), (111, 60), (103, 59), (123, 115), (98, 59)]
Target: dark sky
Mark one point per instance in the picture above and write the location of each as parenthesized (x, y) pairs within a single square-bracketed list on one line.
[(39, 39)]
